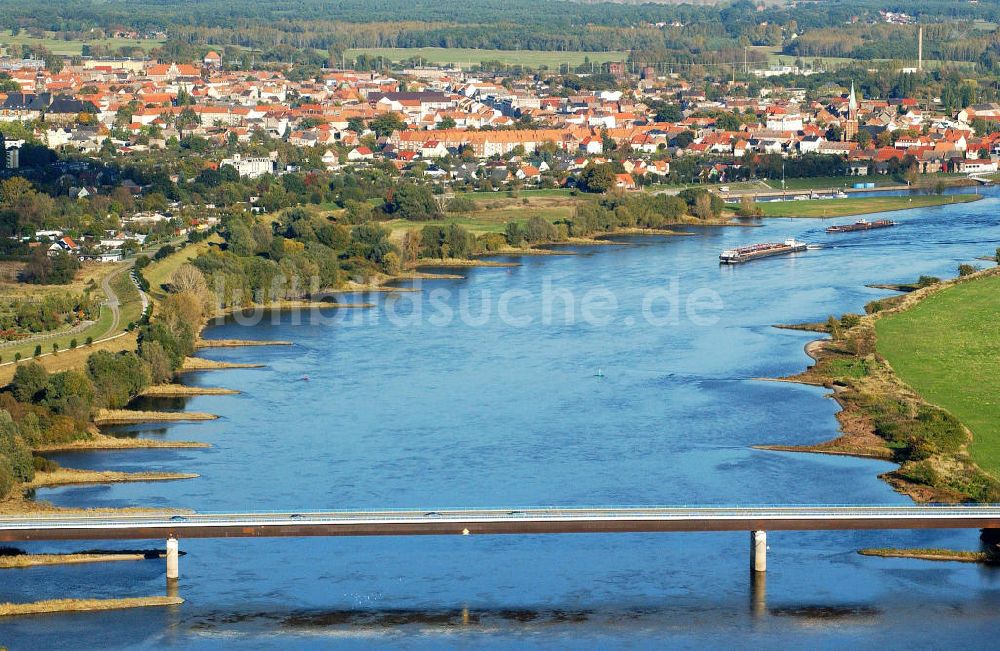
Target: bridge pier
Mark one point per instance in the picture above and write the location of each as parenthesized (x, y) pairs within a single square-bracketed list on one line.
[(758, 551), (173, 570)]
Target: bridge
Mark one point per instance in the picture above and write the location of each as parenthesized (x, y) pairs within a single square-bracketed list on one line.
[(549, 520)]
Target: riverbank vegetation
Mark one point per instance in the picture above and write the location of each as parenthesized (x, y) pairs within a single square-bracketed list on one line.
[(40, 410), (883, 416)]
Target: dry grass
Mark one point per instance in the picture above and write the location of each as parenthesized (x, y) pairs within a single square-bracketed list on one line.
[(202, 364), (70, 476), (36, 560), (930, 554), (85, 605), (104, 442), (128, 416), (237, 343), (182, 391)]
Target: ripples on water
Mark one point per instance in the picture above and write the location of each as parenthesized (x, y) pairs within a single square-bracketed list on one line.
[(437, 416)]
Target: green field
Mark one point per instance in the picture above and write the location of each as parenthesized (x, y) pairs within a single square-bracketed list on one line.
[(857, 205), (468, 57), (776, 58), (74, 47), (946, 348)]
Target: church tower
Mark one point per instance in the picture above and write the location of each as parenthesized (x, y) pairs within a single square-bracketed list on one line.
[(851, 126)]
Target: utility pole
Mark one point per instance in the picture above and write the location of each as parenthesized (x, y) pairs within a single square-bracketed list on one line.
[(746, 69)]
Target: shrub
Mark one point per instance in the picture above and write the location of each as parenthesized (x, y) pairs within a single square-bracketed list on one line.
[(967, 270), (90, 340), (850, 320), (38, 350), (44, 465), (927, 281), (17, 357), (489, 242), (461, 204), (72, 343), (919, 473)]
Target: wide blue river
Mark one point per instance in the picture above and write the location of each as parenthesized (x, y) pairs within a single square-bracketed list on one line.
[(619, 375)]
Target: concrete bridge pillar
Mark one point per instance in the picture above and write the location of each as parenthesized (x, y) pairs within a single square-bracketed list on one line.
[(758, 551), (173, 571)]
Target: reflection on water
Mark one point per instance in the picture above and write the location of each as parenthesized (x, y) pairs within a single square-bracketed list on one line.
[(419, 415)]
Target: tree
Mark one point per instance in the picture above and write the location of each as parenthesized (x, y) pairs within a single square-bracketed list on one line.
[(703, 207), (666, 111), (357, 125), (538, 229), (70, 393), (29, 382), (188, 279), (447, 123), (412, 201), (117, 378), (371, 242), (514, 234), (386, 123), (185, 120), (864, 139), (598, 178)]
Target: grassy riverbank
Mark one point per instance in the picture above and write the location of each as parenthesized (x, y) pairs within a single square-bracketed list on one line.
[(859, 205), (884, 417), (946, 348)]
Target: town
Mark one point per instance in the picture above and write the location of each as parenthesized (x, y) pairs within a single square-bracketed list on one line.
[(446, 127), (417, 324)]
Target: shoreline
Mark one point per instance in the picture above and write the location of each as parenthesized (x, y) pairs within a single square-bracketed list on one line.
[(858, 437)]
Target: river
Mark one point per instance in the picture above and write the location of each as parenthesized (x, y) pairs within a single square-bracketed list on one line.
[(511, 403)]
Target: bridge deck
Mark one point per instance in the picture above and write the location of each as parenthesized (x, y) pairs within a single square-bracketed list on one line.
[(494, 521)]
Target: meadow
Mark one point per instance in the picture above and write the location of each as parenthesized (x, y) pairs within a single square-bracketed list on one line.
[(946, 348)]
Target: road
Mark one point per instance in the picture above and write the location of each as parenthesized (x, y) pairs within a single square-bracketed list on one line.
[(113, 302), (495, 521)]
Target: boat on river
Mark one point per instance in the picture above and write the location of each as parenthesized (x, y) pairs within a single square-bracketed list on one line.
[(765, 250), (861, 225)]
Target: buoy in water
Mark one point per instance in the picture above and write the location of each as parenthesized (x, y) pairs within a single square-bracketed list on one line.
[(600, 373)]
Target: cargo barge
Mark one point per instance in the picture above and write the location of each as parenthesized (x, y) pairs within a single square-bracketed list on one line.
[(861, 225), (757, 251)]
